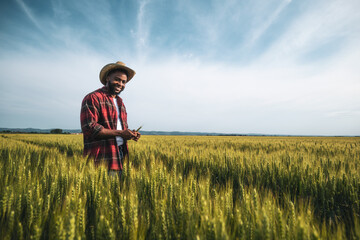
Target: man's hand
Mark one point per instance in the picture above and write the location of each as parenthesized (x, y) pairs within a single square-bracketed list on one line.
[(128, 134), (125, 134), (137, 135)]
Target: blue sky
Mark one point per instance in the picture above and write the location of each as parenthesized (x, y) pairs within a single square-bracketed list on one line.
[(250, 66)]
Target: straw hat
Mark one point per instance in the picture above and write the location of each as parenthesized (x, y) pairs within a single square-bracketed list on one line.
[(111, 66)]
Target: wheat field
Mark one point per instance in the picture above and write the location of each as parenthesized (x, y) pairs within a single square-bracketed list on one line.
[(182, 187)]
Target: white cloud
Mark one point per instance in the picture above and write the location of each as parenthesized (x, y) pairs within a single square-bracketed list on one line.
[(182, 96), (47, 89)]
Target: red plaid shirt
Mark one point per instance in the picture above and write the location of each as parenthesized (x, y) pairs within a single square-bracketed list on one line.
[(98, 111)]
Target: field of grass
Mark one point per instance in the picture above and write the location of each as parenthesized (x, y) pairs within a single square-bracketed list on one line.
[(182, 187)]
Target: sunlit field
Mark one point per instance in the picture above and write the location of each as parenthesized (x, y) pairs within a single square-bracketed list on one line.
[(182, 187)]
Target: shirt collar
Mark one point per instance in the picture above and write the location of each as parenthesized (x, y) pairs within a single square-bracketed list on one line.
[(105, 90)]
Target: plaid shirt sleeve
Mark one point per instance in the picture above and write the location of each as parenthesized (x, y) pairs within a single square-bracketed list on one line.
[(89, 116)]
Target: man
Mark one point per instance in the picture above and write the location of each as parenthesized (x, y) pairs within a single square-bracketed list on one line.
[(104, 119)]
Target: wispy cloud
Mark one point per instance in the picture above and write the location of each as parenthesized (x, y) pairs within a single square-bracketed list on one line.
[(141, 33), (259, 30), (29, 14), (318, 25), (60, 12)]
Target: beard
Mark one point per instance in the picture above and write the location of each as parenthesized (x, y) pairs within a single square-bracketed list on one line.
[(113, 89)]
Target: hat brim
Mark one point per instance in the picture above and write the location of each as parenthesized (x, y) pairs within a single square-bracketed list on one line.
[(112, 66)]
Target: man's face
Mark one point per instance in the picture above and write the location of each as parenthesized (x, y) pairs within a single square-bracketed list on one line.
[(116, 82)]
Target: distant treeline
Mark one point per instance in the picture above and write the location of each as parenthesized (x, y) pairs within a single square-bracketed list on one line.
[(37, 131)]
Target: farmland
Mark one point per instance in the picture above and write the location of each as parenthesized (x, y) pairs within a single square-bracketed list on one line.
[(182, 187)]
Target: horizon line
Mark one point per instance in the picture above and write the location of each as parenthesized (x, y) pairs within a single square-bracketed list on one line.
[(184, 133)]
